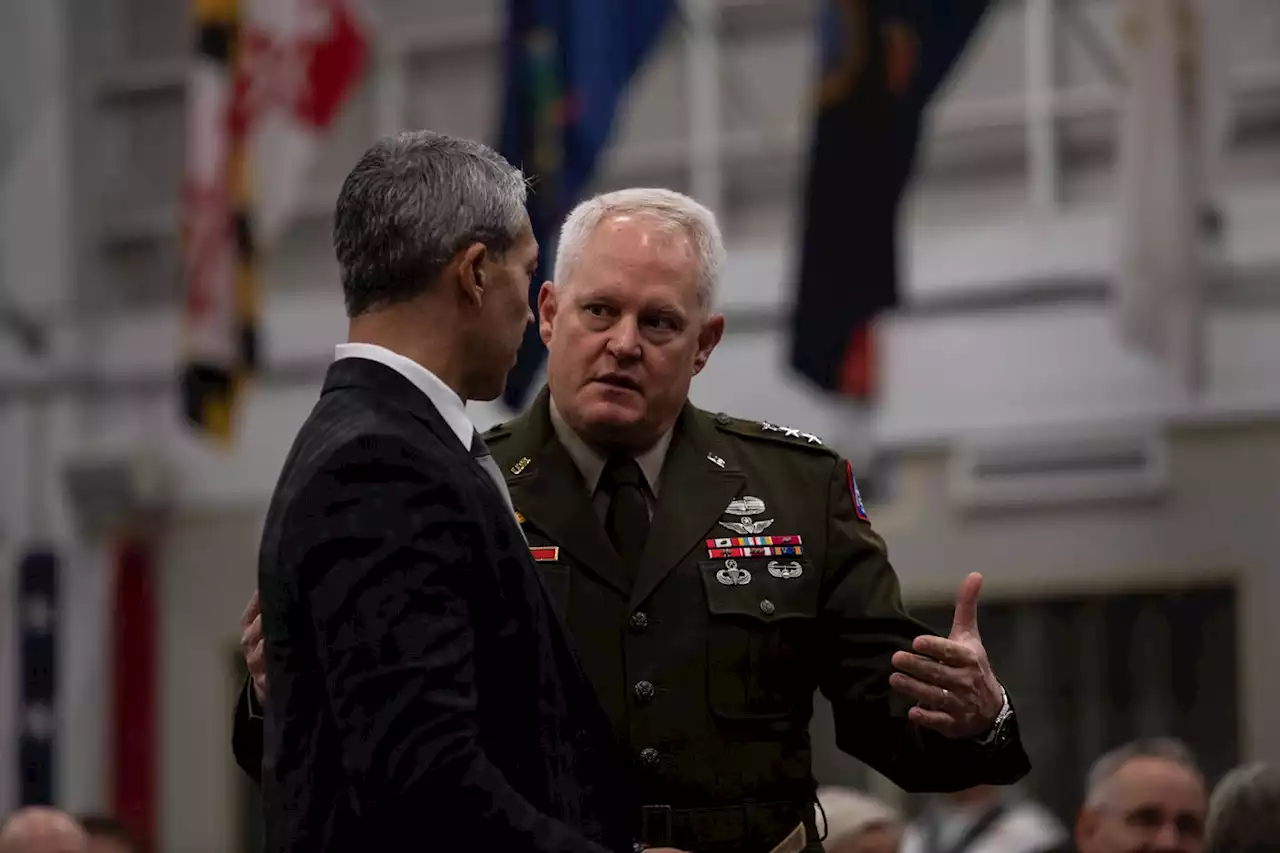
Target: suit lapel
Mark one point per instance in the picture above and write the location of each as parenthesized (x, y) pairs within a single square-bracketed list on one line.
[(549, 491), (693, 496)]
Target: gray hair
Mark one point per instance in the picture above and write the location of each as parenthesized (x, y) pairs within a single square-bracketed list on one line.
[(413, 201), (677, 212), (1109, 764), (1244, 812)]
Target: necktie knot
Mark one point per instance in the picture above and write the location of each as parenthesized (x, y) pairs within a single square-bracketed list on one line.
[(621, 471)]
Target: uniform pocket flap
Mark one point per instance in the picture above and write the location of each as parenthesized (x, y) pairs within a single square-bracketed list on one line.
[(763, 589)]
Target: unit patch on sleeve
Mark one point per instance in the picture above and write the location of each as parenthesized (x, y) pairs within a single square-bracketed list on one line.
[(855, 494)]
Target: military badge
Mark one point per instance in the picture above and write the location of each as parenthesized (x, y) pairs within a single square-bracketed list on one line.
[(745, 507), (791, 432), (754, 546), (731, 575), (856, 495), (785, 570), (544, 554)]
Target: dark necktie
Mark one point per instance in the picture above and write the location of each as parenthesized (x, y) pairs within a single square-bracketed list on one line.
[(480, 451), (627, 521)]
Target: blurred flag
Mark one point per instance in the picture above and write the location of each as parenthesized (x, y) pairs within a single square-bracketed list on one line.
[(268, 80), (1166, 146), (38, 711), (568, 67), (882, 61), (136, 698)]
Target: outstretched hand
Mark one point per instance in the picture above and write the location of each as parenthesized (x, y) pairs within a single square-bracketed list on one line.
[(950, 679)]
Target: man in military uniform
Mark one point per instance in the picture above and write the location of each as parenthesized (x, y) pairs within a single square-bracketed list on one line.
[(716, 571)]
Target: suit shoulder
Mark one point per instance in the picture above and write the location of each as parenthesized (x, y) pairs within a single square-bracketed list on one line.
[(767, 434)]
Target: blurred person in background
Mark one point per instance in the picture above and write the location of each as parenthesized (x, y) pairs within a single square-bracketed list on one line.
[(716, 571), (108, 835), (37, 829), (1244, 812), (984, 819), (423, 692), (1148, 795), (854, 822)]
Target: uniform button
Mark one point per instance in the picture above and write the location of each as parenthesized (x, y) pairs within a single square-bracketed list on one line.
[(649, 757), (766, 607), (644, 690), (639, 621), (723, 419)]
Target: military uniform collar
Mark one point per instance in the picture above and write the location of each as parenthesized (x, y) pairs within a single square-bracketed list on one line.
[(590, 462), (700, 475)]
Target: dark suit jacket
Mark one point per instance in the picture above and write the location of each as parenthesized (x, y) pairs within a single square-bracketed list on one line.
[(424, 694)]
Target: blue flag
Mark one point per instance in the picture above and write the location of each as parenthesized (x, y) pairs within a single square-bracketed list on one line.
[(882, 63), (568, 66)]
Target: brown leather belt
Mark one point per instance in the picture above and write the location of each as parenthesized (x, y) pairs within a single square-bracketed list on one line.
[(745, 827)]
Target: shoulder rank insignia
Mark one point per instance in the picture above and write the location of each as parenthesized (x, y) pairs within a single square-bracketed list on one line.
[(791, 432)]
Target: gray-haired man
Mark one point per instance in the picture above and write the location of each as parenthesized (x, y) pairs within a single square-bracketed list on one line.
[(1147, 796), (1244, 812)]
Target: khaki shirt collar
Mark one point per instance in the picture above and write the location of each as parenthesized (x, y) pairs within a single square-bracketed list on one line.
[(591, 463)]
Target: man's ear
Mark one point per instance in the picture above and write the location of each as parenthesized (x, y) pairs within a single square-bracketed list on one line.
[(471, 278), (1086, 826), (547, 307), (708, 339)]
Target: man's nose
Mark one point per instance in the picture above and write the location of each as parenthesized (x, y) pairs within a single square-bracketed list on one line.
[(624, 343), (1169, 839)]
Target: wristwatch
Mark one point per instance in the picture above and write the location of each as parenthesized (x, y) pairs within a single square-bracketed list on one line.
[(1000, 728)]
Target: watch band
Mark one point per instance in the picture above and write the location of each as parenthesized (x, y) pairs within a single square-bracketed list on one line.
[(997, 727)]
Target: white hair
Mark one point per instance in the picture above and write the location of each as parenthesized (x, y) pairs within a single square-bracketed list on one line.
[(1106, 767), (1244, 811), (674, 210)]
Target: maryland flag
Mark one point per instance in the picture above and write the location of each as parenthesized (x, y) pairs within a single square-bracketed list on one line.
[(882, 61), (269, 78)]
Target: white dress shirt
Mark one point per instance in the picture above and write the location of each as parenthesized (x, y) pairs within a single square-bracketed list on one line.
[(445, 399)]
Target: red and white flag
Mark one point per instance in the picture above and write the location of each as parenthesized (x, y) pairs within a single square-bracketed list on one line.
[(299, 60), (268, 81)]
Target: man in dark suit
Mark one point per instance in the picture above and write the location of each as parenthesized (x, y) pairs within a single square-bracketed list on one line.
[(715, 571), (424, 694)]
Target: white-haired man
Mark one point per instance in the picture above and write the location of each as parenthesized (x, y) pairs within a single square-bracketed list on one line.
[(1147, 796), (715, 571)]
